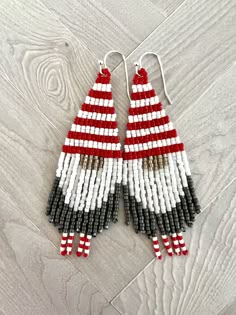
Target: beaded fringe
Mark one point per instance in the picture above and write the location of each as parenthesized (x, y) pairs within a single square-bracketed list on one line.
[(86, 191), (158, 188)]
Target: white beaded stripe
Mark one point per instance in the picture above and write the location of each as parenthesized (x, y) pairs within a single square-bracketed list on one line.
[(160, 192), (142, 184), (65, 169), (119, 171), (114, 175), (96, 189), (79, 189), (93, 144), (137, 190), (108, 179), (141, 87), (148, 191), (144, 102), (94, 130), (96, 116), (144, 146), (102, 87), (148, 131), (131, 177), (63, 242), (85, 190), (60, 164), (72, 178), (73, 195), (90, 190), (99, 101), (154, 191), (147, 117), (103, 183)]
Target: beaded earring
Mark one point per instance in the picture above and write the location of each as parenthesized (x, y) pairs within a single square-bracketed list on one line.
[(157, 183), (86, 191)]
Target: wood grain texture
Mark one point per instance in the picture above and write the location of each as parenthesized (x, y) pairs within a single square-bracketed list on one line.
[(34, 279), (48, 62), (202, 283), (106, 25), (196, 44), (167, 7), (44, 61), (29, 152)]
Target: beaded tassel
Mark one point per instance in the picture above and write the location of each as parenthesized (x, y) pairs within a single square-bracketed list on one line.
[(86, 191), (157, 184)]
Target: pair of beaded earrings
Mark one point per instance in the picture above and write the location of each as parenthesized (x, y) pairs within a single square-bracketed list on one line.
[(153, 169)]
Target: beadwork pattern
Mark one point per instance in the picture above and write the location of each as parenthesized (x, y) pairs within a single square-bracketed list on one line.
[(86, 191), (157, 184)]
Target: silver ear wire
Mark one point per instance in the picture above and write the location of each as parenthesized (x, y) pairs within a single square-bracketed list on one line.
[(162, 71), (136, 64), (100, 62), (104, 62)]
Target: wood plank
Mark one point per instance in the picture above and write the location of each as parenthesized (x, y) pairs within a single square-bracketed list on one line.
[(30, 148), (34, 279), (167, 7), (106, 25), (44, 61), (202, 283)]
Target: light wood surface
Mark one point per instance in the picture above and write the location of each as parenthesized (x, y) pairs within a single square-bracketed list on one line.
[(48, 62)]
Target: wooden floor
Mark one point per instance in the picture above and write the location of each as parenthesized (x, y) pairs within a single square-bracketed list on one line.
[(48, 61)]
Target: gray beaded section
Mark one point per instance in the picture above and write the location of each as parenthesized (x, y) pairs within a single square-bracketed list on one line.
[(134, 212), (153, 224), (110, 207), (116, 203), (193, 194), (67, 221), (185, 210), (147, 222), (160, 223), (79, 219), (96, 221), (63, 217), (52, 194), (176, 220), (166, 223), (102, 217), (188, 198), (126, 204), (85, 222), (55, 204), (90, 222), (141, 221), (181, 216)]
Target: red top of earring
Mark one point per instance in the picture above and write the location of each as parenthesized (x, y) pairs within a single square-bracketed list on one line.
[(104, 77), (141, 77)]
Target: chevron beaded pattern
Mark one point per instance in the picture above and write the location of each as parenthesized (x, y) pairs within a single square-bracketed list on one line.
[(157, 183), (86, 191)]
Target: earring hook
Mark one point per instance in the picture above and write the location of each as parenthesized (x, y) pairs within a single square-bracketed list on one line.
[(162, 71), (104, 62)]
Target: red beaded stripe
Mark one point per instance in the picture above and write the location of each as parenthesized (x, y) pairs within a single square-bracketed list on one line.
[(142, 95), (92, 137), (100, 94), (145, 109), (95, 123), (92, 151), (148, 123), (98, 109), (152, 137), (152, 152)]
